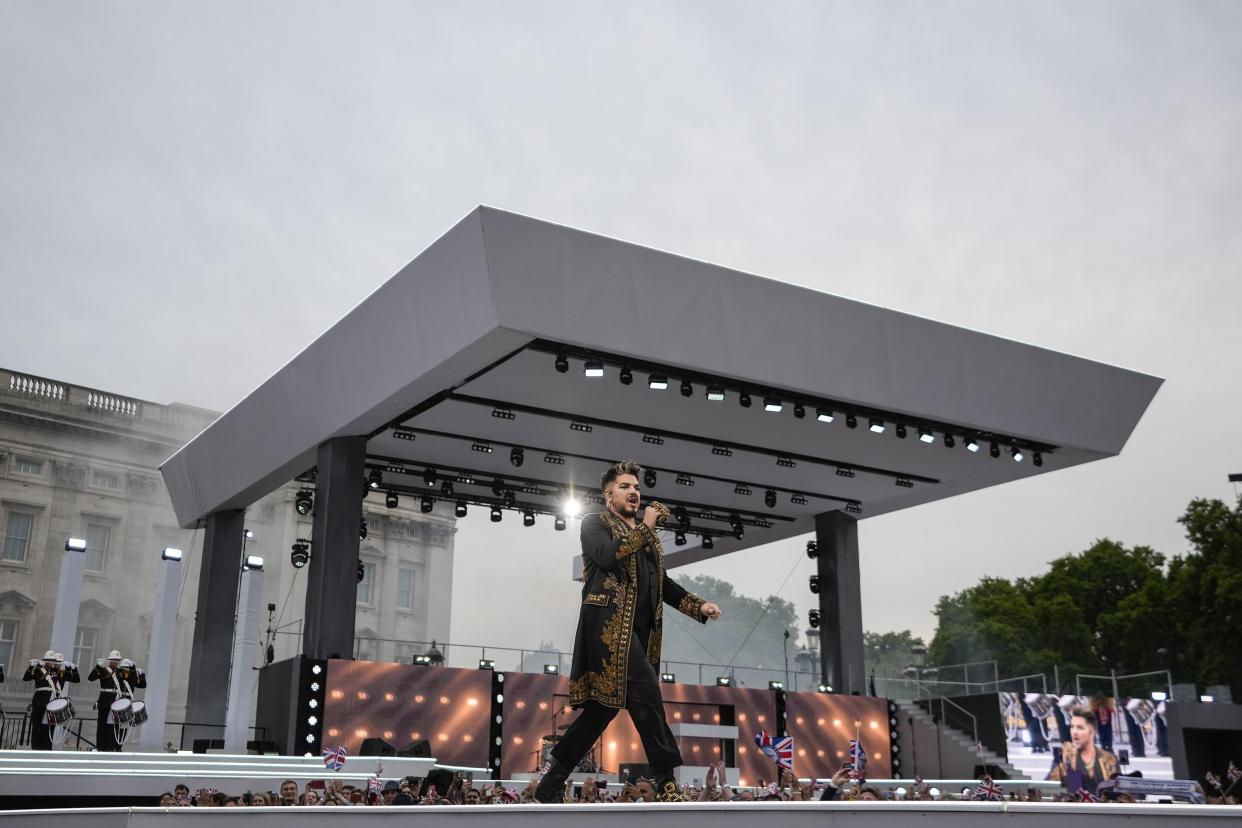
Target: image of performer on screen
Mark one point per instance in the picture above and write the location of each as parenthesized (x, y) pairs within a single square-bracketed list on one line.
[(1083, 764), (617, 645)]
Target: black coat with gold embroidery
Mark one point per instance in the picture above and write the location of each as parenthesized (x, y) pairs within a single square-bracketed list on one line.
[(609, 599)]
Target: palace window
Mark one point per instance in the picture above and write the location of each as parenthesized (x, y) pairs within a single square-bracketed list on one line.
[(17, 531)]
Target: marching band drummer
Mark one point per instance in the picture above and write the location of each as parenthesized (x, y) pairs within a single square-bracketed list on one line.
[(45, 674), (132, 678), (111, 687)]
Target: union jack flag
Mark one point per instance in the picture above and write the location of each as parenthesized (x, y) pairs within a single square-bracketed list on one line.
[(1233, 774), (374, 785), (987, 789), (1211, 779), (1085, 795), (334, 759), (857, 760), (779, 750)]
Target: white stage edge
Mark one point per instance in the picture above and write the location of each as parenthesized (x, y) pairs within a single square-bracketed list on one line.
[(683, 815)]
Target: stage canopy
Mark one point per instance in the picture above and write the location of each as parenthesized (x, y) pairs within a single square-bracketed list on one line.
[(779, 403)]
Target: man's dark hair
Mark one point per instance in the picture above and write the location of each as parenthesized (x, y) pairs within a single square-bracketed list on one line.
[(618, 469), (1086, 715)]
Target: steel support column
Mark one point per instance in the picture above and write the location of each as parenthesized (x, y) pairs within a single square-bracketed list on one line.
[(218, 576), (332, 580), (840, 604)]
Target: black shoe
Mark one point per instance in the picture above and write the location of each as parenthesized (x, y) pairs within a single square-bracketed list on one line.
[(551, 788)]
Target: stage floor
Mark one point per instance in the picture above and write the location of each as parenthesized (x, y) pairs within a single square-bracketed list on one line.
[(685, 815)]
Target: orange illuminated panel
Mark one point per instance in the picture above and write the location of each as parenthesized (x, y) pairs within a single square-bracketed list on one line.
[(411, 702)]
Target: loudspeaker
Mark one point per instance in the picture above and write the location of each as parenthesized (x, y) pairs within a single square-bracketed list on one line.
[(421, 748), (375, 746)]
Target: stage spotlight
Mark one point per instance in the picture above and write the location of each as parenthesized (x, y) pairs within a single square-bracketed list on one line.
[(667, 678), (649, 478), (375, 479), (551, 669), (509, 499), (900, 431), (851, 421), (1159, 695), (823, 688), (724, 681), (362, 530), (722, 451), (248, 534), (391, 500), (772, 405), (683, 519), (679, 538), (743, 399), (517, 456), (769, 499), (742, 489), (786, 462), (812, 549), (585, 428), (708, 543), (400, 433), (735, 520), (446, 488), (715, 393), (170, 553), (853, 508), (361, 572), (799, 410), (562, 364), (496, 514), (486, 664), (559, 524), (482, 447), (798, 500), (904, 482), (1016, 453), (972, 445), (684, 480), (75, 545), (553, 458), (926, 436), (657, 382), (460, 509), (875, 425), (254, 562), (814, 582), (304, 502), (528, 518), (426, 505), (824, 415), (686, 388), (503, 413), (949, 442), (498, 486), (776, 685), (422, 659), (626, 376), (844, 471), (299, 554), (429, 477), (994, 450), (812, 617), (593, 368), (1038, 459)]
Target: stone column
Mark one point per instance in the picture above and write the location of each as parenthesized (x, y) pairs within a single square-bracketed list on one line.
[(840, 603)]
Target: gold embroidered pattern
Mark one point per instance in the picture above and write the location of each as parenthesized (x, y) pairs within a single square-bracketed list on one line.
[(691, 605), (608, 685), (634, 540), (596, 599)]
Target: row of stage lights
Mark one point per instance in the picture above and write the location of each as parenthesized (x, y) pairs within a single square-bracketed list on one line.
[(716, 392)]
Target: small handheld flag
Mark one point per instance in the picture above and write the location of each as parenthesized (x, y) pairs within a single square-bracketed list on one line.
[(1233, 774), (987, 789), (857, 760), (334, 760)]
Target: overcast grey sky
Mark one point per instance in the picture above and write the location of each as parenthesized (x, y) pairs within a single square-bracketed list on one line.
[(191, 192)]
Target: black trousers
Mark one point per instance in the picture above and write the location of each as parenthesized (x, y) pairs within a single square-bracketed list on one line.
[(40, 734), (646, 709), (105, 736)]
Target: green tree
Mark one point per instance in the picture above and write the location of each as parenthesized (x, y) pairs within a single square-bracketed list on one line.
[(719, 641), (887, 654)]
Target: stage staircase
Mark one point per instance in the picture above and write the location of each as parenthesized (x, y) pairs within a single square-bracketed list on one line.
[(955, 746)]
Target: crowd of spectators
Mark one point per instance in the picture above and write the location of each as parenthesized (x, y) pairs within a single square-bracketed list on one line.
[(444, 788)]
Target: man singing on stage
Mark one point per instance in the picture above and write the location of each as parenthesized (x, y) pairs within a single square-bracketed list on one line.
[(617, 646)]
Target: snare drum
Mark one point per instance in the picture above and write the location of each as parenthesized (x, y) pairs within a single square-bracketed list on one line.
[(59, 712), (121, 713), (140, 713)]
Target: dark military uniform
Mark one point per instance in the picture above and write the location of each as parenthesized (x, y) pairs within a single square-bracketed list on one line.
[(47, 687), (617, 646), (110, 689)]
